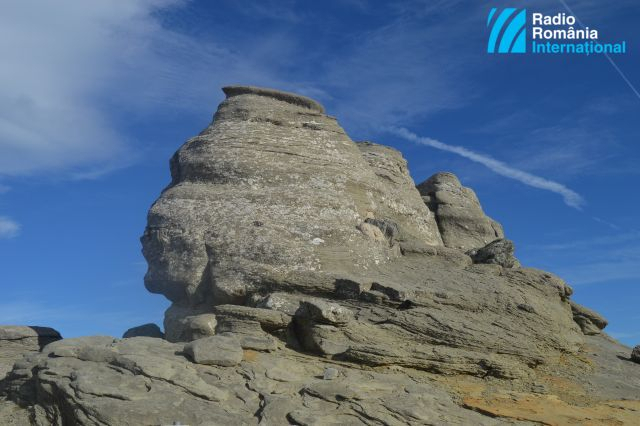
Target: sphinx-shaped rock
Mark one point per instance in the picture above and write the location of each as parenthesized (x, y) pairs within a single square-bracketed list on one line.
[(274, 191), (461, 221)]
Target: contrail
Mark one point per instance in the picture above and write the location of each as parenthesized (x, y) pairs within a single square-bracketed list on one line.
[(611, 61), (571, 198)]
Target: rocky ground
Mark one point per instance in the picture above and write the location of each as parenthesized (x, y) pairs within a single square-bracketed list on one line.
[(313, 283)]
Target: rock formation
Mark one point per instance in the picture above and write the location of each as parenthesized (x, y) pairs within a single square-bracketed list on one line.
[(461, 221), (312, 282)]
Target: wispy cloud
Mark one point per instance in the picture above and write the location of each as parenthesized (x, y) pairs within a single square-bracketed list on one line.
[(8, 228), (90, 63), (570, 197)]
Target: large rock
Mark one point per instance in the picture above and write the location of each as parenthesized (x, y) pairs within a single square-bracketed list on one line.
[(274, 191), (18, 340), (461, 221), (274, 207), (144, 330)]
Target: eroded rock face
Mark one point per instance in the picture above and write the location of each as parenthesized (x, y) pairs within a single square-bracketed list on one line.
[(273, 207), (461, 221), (17, 340), (590, 322), (274, 193)]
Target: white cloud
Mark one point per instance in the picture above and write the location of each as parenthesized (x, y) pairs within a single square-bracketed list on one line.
[(57, 58), (70, 68), (570, 197), (8, 228)]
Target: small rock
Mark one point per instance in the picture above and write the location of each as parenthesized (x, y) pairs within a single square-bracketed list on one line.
[(635, 354), (145, 330), (269, 319), (224, 351), (324, 312), (590, 322), (499, 252), (349, 289), (389, 228), (330, 373), (526, 308)]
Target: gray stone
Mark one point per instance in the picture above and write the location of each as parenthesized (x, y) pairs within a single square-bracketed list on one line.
[(635, 354), (184, 324), (269, 319), (29, 335), (324, 312), (330, 373), (461, 221), (498, 252), (224, 351), (145, 330), (590, 322), (17, 341), (231, 222)]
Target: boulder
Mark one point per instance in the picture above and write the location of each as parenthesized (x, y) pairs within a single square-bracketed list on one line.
[(590, 322), (145, 330), (274, 192), (461, 220), (635, 354), (324, 312), (184, 323), (498, 252), (224, 351), (19, 340)]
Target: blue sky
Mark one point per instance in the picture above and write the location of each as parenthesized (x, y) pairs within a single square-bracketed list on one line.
[(96, 96)]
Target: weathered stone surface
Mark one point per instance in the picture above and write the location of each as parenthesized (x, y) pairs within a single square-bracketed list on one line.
[(269, 319), (461, 221), (145, 330), (635, 354), (324, 312), (590, 322), (498, 252), (17, 340), (273, 191), (29, 335), (224, 351), (149, 381), (184, 323)]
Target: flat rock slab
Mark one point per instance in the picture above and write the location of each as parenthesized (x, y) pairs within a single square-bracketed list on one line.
[(224, 351)]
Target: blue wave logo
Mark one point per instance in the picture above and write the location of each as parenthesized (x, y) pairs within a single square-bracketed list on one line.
[(508, 30)]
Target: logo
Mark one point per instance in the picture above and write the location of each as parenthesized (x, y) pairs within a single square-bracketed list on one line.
[(508, 33)]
